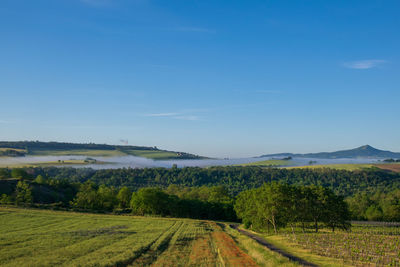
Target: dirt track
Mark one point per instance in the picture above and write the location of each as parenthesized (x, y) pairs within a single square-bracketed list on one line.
[(273, 248)]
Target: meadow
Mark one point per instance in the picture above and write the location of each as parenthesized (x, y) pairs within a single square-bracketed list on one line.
[(31, 237)]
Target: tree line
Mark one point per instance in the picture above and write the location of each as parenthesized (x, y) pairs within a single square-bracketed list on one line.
[(276, 205)]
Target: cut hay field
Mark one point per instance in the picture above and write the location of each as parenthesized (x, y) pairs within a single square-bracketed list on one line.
[(53, 238)]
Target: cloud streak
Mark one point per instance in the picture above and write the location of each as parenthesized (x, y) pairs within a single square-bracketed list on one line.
[(167, 114), (174, 115), (364, 64)]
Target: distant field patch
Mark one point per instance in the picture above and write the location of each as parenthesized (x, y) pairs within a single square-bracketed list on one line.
[(73, 152), (395, 167), (352, 167), (15, 149), (153, 154), (268, 163)]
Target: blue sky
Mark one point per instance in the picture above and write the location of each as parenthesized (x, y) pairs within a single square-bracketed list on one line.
[(216, 78)]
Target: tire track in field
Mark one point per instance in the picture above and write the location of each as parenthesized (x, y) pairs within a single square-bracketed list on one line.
[(271, 247), (150, 253)]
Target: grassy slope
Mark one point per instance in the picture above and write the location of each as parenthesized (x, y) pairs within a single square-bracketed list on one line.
[(151, 154), (31, 237), (67, 149)]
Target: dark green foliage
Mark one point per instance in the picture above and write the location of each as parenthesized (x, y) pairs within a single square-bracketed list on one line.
[(5, 173), (379, 206), (23, 193), (19, 173), (124, 197), (154, 201), (276, 205), (90, 197)]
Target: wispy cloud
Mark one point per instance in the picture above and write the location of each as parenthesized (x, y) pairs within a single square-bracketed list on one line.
[(364, 64), (193, 29), (167, 114)]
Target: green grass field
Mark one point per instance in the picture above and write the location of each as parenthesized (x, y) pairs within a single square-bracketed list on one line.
[(268, 163)]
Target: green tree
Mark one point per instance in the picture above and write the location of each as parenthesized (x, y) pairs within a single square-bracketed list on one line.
[(87, 197), (23, 193), (19, 173), (39, 179), (4, 173), (374, 213), (337, 212), (6, 199), (107, 198), (152, 201), (124, 197)]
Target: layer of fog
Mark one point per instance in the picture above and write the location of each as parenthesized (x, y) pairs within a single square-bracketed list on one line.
[(139, 162)]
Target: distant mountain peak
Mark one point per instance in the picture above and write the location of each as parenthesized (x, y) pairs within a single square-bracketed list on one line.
[(367, 147)]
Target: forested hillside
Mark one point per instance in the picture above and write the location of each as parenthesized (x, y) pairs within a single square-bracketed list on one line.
[(235, 179), (373, 194)]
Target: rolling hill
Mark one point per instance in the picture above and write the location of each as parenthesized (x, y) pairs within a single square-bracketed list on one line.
[(36, 148), (366, 151)]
